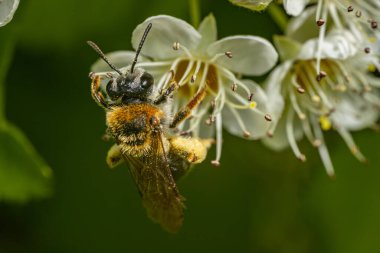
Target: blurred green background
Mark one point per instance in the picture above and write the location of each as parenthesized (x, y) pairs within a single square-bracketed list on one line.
[(257, 201)]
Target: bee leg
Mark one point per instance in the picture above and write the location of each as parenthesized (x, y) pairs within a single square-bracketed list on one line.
[(163, 97), (96, 94), (114, 156), (186, 111), (192, 150)]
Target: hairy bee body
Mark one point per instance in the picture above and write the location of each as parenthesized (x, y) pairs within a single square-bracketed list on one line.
[(131, 126)]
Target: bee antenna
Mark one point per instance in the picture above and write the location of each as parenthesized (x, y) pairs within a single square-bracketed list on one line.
[(147, 29), (102, 55)]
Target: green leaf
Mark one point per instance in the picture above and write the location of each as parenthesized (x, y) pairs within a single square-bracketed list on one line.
[(23, 173), (254, 5)]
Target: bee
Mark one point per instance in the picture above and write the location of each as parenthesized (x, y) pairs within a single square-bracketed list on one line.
[(137, 120)]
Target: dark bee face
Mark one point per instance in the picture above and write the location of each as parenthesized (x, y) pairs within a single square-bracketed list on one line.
[(136, 85)]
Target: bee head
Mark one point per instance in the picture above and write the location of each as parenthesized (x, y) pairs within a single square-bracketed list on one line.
[(136, 83), (133, 85)]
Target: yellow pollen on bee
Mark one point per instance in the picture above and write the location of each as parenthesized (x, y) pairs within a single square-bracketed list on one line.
[(325, 123), (252, 105)]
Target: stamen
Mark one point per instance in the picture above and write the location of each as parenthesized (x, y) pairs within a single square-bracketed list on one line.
[(197, 67), (295, 105), (218, 140), (346, 136), (322, 149), (291, 138), (367, 50), (177, 46), (350, 8), (240, 122), (217, 56), (268, 117), (322, 32), (186, 73)]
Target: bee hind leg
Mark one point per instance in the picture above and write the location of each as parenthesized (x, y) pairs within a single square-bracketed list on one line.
[(114, 156), (192, 150)]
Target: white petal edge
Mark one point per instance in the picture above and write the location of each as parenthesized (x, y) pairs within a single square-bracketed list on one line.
[(7, 10), (337, 45), (120, 59), (251, 55), (295, 7), (165, 31)]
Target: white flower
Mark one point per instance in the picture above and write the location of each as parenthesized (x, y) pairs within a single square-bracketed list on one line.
[(305, 100), (7, 9), (199, 62)]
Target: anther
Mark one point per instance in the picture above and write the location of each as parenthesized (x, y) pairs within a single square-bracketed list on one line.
[(270, 134), (213, 103), (176, 45), (350, 8), (228, 54), (302, 158), (193, 78), (321, 75), (317, 143), (367, 50), (267, 117), (316, 99), (300, 90), (358, 14), (320, 22), (109, 75), (373, 24), (215, 163), (301, 116), (208, 122), (91, 75), (246, 134), (234, 87), (250, 97)]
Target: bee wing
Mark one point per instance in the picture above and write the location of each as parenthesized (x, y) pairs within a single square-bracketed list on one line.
[(157, 187)]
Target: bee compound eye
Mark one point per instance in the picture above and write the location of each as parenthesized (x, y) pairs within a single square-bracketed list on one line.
[(113, 89), (147, 80)]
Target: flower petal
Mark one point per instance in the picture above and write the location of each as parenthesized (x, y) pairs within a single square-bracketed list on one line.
[(286, 47), (354, 113), (279, 140), (118, 58), (337, 45), (303, 27), (295, 7), (208, 31), (252, 55), (253, 121), (273, 87), (7, 9), (165, 31)]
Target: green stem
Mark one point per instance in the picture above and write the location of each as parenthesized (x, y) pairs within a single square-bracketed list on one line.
[(278, 15), (6, 52), (195, 12)]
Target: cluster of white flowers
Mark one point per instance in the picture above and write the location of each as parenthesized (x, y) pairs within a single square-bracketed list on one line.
[(324, 81)]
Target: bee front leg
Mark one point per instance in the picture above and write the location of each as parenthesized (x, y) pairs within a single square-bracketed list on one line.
[(168, 92), (96, 93), (185, 112), (114, 156)]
